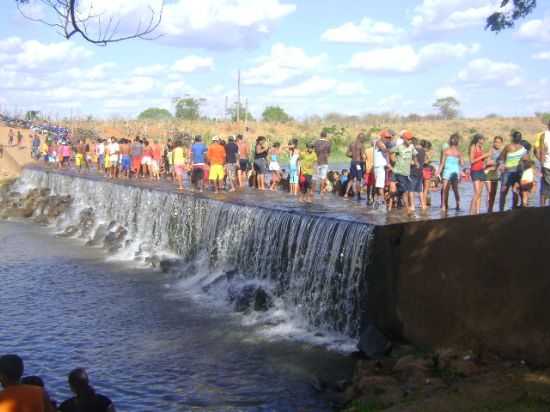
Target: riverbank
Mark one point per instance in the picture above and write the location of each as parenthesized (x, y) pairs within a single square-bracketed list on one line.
[(14, 158), (447, 380)]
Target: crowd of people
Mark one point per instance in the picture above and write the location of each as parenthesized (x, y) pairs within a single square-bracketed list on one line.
[(28, 394), (390, 170)]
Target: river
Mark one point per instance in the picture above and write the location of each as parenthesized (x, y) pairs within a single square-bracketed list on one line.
[(146, 342)]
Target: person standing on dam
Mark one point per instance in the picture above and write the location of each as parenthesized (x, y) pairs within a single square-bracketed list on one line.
[(356, 151), (542, 152), (216, 158), (404, 157), (323, 148)]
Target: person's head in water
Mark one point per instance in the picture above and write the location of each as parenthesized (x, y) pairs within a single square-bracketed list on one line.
[(79, 382), (454, 140), (516, 137), (477, 139), (497, 142), (11, 370)]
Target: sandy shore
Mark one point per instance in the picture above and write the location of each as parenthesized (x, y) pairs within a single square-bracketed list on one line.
[(15, 157)]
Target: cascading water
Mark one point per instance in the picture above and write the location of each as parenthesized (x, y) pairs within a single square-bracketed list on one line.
[(313, 265)]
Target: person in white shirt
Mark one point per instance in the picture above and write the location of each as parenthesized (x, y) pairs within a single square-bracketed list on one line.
[(100, 152), (114, 157)]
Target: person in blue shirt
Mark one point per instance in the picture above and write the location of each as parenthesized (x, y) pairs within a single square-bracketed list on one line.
[(197, 154)]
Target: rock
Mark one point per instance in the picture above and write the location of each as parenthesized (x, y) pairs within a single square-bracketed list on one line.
[(99, 236), (167, 264), (373, 344), (250, 297), (113, 240), (41, 220), (383, 390)]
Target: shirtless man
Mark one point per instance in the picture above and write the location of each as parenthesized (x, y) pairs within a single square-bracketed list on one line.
[(244, 163), (114, 153), (356, 151)]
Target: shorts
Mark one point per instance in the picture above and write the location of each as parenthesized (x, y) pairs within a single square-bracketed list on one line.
[(66, 159), (357, 170), (322, 171), (180, 170), (545, 182), (526, 187), (478, 176), (101, 159), (260, 166), (78, 160), (380, 177), (293, 177), (114, 160), (451, 175), (136, 163), (492, 175), (416, 183), (125, 163), (244, 165), (197, 174), (509, 178), (274, 167), (427, 173), (146, 160), (155, 166), (403, 183), (231, 170), (216, 172), (306, 183), (369, 179)]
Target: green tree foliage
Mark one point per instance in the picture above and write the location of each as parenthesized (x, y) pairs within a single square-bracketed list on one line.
[(32, 115), (155, 113), (275, 114), (232, 112), (448, 107), (189, 108), (505, 19)]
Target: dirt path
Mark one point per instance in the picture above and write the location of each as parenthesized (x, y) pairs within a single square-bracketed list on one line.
[(14, 157)]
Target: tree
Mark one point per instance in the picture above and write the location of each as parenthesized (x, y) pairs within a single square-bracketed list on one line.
[(275, 114), (32, 115), (448, 107), (189, 108), (506, 17), (232, 112), (155, 113), (74, 17)]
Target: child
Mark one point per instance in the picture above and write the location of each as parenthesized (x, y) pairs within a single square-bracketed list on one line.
[(308, 160), (527, 181), (428, 172), (274, 166), (294, 156)]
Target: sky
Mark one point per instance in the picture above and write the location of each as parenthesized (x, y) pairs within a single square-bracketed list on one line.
[(311, 57)]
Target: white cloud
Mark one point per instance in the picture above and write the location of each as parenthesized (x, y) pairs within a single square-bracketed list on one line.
[(221, 23), (191, 64), (97, 72), (535, 30), (32, 54), (150, 70), (282, 64), (316, 85), (488, 72), (446, 91), (405, 59), (443, 15), (542, 56), (367, 31)]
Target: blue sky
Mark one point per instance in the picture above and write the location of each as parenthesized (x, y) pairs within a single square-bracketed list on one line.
[(310, 57)]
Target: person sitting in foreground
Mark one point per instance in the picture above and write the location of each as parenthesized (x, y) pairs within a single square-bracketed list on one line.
[(17, 397), (86, 399), (37, 381)]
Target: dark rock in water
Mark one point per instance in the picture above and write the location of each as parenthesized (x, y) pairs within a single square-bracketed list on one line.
[(86, 221), (373, 343), (250, 297), (69, 231), (153, 260), (167, 264), (113, 240)]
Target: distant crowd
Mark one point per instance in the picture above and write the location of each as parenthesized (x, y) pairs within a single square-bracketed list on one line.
[(389, 170), (28, 394)]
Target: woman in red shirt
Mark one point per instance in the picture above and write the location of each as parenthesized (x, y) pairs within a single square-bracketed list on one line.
[(477, 171)]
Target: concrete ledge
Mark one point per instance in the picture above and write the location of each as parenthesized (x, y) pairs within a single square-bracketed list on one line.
[(480, 281)]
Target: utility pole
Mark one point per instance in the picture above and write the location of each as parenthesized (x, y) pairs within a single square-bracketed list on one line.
[(245, 112), (239, 96)]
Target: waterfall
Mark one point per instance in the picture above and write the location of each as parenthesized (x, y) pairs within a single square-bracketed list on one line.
[(316, 265)]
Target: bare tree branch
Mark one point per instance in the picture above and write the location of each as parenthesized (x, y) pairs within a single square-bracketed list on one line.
[(71, 21)]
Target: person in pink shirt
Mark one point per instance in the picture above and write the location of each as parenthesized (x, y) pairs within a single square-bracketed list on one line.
[(157, 157)]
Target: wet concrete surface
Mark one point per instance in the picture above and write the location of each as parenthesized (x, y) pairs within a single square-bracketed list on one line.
[(328, 206)]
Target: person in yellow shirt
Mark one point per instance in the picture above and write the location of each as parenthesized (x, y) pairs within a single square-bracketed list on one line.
[(180, 162), (308, 159), (16, 397)]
